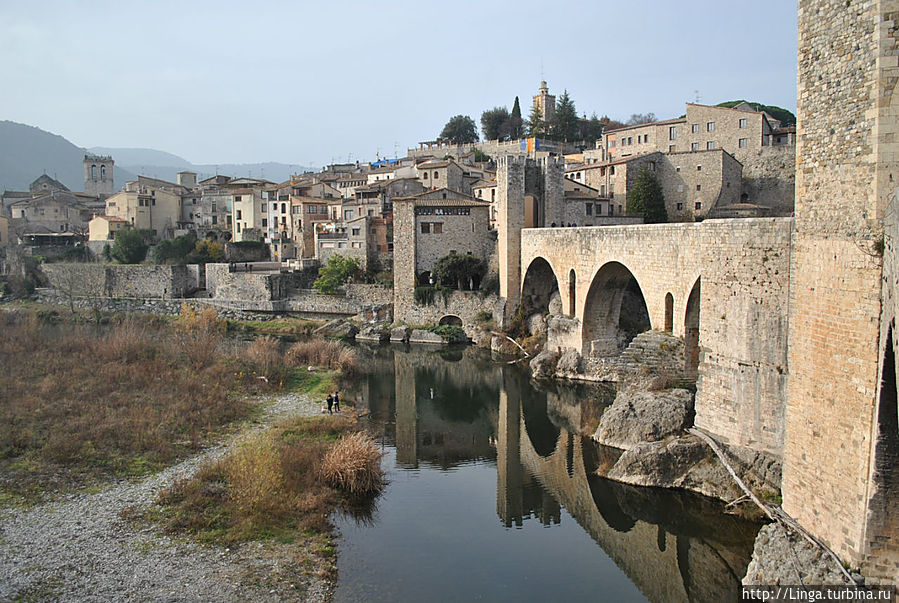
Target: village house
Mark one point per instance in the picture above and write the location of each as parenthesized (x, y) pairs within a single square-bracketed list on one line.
[(103, 228), (149, 204), (441, 174)]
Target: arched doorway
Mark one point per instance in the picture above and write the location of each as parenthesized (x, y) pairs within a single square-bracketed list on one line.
[(691, 333), (533, 217), (669, 313), (572, 294), (615, 311), (450, 319)]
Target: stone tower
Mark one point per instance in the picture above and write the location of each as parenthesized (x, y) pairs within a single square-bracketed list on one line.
[(842, 442), (99, 175), (545, 103), (529, 194)]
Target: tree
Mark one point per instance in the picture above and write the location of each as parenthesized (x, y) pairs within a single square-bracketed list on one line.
[(536, 126), (646, 198), (460, 129), (495, 123), (640, 118), (128, 247), (337, 272), (459, 271), (174, 251), (610, 124), (515, 121), (590, 129), (565, 125)]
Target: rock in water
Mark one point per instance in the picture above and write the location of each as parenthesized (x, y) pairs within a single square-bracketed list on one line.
[(645, 416)]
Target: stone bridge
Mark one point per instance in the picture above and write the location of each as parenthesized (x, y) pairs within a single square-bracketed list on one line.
[(723, 285)]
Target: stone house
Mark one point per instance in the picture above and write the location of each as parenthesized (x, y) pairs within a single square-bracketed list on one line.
[(441, 174), (147, 207), (349, 239), (248, 207), (434, 224), (53, 211), (347, 183)]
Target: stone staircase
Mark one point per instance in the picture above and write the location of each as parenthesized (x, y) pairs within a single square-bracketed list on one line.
[(650, 354)]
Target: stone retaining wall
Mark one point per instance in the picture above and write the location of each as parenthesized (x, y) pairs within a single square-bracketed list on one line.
[(114, 280)]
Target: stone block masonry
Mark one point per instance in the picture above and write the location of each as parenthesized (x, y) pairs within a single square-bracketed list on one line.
[(113, 280)]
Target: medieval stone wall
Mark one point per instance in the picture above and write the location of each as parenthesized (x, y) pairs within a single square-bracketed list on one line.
[(113, 280)]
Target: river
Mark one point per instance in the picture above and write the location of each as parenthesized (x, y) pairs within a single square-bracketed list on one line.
[(493, 495)]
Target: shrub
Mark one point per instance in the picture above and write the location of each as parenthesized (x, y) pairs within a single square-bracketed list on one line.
[(354, 465), (255, 476), (263, 354), (324, 354), (483, 317), (128, 247), (451, 333), (337, 272), (460, 271), (424, 296)]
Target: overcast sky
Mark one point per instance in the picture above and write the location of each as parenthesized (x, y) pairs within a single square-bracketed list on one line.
[(310, 82)]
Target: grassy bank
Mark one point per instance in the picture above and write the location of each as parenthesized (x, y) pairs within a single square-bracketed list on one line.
[(79, 402)]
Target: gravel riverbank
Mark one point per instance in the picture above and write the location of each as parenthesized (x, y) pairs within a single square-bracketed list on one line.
[(79, 548)]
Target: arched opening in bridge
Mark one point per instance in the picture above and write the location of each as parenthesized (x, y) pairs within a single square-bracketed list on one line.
[(450, 319), (882, 510), (541, 431), (572, 294), (691, 332), (669, 313), (424, 279), (540, 287), (615, 311)]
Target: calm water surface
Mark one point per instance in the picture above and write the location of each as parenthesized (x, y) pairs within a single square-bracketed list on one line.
[(493, 496)]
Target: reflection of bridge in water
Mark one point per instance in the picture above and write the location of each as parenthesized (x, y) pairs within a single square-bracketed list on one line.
[(668, 552), (672, 547)]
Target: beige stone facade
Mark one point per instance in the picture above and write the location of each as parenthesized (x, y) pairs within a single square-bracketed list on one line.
[(103, 228), (441, 174), (148, 204)]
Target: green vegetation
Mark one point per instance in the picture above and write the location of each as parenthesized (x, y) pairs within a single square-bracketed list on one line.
[(424, 295), (495, 123), (337, 272), (785, 117), (536, 127), (278, 326), (646, 198), (565, 122), (280, 485), (451, 333), (515, 122), (174, 251), (460, 129), (462, 272), (129, 247)]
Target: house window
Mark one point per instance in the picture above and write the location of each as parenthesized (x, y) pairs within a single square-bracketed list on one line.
[(630, 140), (425, 228), (677, 168), (694, 146), (264, 222), (262, 207), (612, 171), (436, 175), (589, 209), (238, 226), (215, 219), (680, 207), (310, 209), (694, 128), (238, 216), (672, 133), (710, 145), (438, 227), (710, 127), (425, 176), (699, 187), (743, 122), (672, 148), (743, 143), (283, 208), (698, 168), (356, 232), (698, 205)]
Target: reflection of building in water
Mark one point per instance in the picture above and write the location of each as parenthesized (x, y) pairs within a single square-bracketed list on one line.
[(518, 495), (673, 548), (438, 420)]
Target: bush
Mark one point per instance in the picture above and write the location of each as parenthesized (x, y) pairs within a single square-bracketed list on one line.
[(451, 333), (483, 317), (460, 271), (424, 296), (337, 272), (354, 465), (174, 251), (129, 247), (323, 354)]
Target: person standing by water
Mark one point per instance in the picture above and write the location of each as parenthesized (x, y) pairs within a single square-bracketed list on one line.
[(337, 401), (330, 403)]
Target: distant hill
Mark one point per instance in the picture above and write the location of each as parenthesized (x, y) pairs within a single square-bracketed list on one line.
[(159, 164), (27, 152)]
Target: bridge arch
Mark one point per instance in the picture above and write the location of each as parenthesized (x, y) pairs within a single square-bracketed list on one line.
[(691, 331), (615, 311), (538, 287), (450, 319)]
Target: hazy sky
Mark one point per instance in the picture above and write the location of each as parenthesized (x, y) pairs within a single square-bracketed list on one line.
[(311, 82)]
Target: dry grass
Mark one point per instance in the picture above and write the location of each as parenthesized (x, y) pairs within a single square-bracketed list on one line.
[(125, 399), (271, 486), (326, 354), (354, 465)]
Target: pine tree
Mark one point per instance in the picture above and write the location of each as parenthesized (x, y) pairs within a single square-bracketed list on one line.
[(566, 122), (646, 198), (495, 123), (515, 121), (536, 125)]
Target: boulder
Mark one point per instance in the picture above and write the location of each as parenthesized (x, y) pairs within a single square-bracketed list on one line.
[(425, 336), (570, 363), (344, 330), (773, 544), (645, 416), (374, 333), (684, 462), (543, 365), (536, 324), (555, 303), (501, 345), (400, 334)]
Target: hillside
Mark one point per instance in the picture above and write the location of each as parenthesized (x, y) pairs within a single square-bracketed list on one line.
[(27, 152)]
